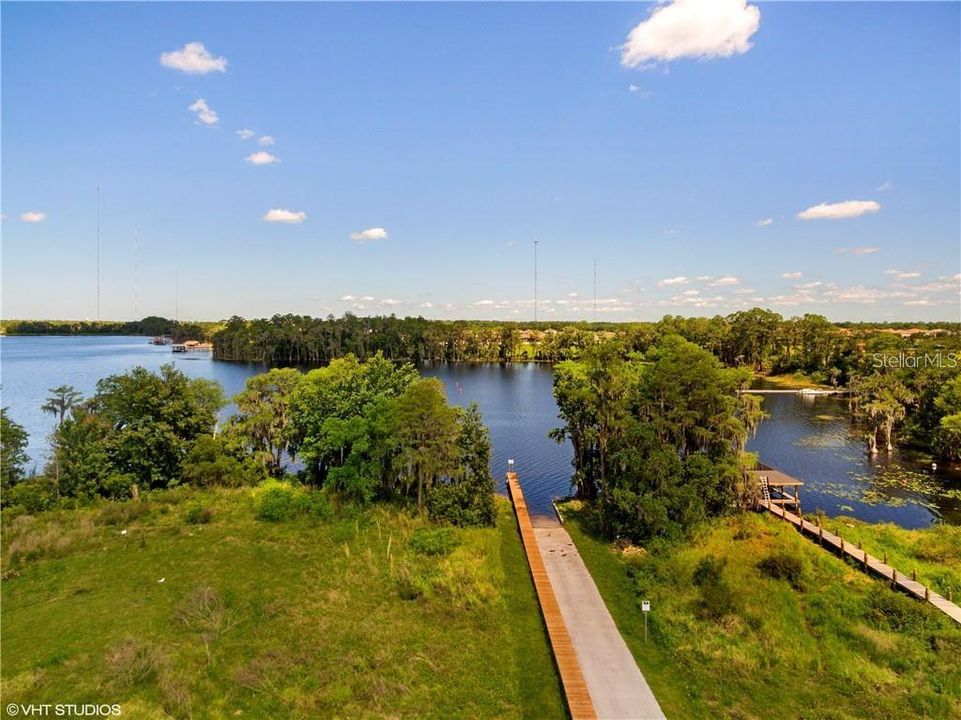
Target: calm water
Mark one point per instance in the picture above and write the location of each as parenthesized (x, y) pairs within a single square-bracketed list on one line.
[(810, 438)]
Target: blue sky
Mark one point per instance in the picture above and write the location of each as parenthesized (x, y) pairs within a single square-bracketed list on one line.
[(445, 138)]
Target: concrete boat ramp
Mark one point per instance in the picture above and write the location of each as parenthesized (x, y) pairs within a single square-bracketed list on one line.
[(602, 666)]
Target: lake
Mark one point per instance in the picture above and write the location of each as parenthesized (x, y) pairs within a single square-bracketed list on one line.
[(808, 437)]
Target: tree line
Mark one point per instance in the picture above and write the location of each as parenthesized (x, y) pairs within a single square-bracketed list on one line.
[(911, 405), (365, 431), (152, 326)]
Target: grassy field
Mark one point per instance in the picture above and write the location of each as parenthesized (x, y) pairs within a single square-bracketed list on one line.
[(934, 553), (814, 639), (372, 613)]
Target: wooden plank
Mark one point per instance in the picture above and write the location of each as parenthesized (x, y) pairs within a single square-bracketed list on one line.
[(572, 678), (867, 561)]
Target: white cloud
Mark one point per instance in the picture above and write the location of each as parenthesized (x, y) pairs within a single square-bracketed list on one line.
[(808, 285), (903, 274), (348, 298), (484, 302), (391, 301), (703, 278), (245, 134), (282, 215), (205, 113), (265, 140), (427, 305), (885, 186), (858, 250), (726, 280), (193, 59), (691, 29), (765, 222), (839, 210), (33, 216), (679, 280), (262, 158), (792, 275), (364, 236)]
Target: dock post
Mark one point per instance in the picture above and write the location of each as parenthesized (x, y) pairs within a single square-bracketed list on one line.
[(914, 574), (927, 594), (885, 557), (842, 542), (950, 595), (894, 578), (865, 560)]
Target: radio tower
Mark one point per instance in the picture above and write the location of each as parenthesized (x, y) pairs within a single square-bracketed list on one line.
[(595, 289), (98, 253), (136, 269), (535, 279)]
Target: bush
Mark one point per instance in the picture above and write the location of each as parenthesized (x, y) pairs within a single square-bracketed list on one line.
[(708, 570), (783, 566), (32, 496), (198, 515), (314, 504), (277, 501), (717, 597), (210, 463), (277, 504), (459, 503), (438, 541)]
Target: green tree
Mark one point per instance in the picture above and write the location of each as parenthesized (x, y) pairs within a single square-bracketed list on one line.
[(13, 451), (425, 430), (467, 498), (153, 420), (344, 389), (264, 415), (881, 400), (60, 402), (80, 464)]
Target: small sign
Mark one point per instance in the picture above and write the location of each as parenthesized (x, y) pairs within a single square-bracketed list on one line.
[(645, 605)]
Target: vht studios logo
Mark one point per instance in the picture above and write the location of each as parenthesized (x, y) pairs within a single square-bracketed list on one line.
[(912, 360), (64, 710)]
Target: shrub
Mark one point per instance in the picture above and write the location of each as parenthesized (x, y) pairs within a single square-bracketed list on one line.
[(314, 504), (198, 515), (437, 541), (133, 661), (278, 501), (210, 463), (708, 570), (277, 504), (32, 496), (783, 566), (717, 598), (459, 503)]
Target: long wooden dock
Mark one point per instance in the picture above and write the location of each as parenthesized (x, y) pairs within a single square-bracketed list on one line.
[(867, 562), (575, 689)]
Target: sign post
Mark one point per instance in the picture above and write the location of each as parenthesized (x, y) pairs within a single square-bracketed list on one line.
[(645, 608)]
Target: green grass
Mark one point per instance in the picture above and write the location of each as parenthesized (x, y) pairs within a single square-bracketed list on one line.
[(302, 618), (934, 553), (840, 645)]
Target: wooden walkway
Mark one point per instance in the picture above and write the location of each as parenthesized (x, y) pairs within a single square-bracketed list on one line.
[(866, 561), (575, 689)]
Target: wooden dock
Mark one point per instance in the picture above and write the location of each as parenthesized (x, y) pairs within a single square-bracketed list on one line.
[(575, 689), (867, 562)]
